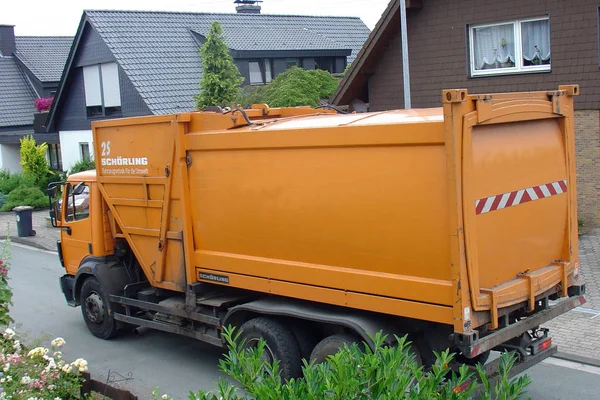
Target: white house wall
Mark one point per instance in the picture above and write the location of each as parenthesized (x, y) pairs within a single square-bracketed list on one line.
[(10, 157), (70, 148)]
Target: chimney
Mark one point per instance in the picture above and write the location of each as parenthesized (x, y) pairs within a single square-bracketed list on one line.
[(247, 6), (7, 40)]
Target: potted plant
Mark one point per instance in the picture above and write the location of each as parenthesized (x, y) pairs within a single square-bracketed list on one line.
[(42, 104)]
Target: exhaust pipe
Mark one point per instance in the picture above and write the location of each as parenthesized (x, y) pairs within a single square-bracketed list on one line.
[(140, 330)]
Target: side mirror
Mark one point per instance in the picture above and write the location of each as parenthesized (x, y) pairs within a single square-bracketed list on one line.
[(79, 189), (52, 191)]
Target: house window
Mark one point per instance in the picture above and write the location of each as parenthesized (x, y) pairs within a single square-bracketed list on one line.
[(260, 71), (102, 91), (511, 47), (256, 77), (292, 62), (84, 151), (54, 157)]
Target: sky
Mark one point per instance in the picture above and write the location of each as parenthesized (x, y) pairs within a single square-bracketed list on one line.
[(61, 17)]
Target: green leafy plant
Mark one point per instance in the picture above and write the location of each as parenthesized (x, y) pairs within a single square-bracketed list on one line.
[(40, 372), (25, 196), (10, 181), (221, 79), (385, 372), (84, 164), (5, 290), (294, 87), (33, 160), (53, 176)]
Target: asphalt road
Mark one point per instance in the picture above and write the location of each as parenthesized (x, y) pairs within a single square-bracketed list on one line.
[(177, 365)]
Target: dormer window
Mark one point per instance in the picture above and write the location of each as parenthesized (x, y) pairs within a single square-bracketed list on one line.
[(102, 90)]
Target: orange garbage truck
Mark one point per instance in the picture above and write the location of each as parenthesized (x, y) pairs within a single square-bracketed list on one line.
[(310, 229)]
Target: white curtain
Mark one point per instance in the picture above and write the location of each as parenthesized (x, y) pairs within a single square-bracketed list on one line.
[(494, 46), (536, 42)]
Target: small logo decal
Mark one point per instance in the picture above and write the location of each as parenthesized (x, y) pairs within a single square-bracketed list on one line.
[(213, 277)]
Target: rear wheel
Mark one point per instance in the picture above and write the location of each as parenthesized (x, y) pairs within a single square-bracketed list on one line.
[(279, 344), (331, 345), (94, 307)]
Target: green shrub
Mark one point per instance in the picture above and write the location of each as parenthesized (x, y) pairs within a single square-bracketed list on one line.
[(52, 176), (85, 164), (33, 160), (25, 196), (294, 87), (249, 95), (10, 181), (387, 372)]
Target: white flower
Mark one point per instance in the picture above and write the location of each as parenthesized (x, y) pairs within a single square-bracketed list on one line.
[(164, 397), (58, 342), (8, 378), (25, 380), (67, 368), (80, 364), (17, 345), (37, 352), (8, 333), (2, 380), (6, 367), (58, 355)]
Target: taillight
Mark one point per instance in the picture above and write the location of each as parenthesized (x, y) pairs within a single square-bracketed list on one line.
[(543, 345)]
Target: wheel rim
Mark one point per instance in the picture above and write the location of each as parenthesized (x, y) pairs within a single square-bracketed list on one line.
[(267, 355), (94, 308)]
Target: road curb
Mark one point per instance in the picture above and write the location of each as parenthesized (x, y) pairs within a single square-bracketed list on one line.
[(578, 359), (19, 240)]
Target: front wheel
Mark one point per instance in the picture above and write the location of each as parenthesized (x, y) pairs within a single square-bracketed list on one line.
[(94, 307)]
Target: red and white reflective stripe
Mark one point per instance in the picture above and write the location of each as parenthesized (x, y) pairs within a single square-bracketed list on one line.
[(517, 197)]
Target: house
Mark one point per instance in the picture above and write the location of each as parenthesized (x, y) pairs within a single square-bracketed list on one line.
[(30, 68), (490, 46), (133, 63)]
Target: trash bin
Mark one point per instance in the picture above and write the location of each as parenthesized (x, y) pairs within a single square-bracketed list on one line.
[(24, 224)]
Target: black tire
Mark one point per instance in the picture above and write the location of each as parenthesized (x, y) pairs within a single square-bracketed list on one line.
[(479, 359), (280, 344), (331, 345), (94, 304)]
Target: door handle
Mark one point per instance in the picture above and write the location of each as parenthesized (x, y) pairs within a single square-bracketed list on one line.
[(67, 229)]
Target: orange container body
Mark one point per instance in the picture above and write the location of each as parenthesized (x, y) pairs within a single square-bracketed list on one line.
[(448, 215)]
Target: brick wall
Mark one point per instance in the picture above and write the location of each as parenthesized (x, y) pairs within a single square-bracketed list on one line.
[(587, 144), (438, 49)]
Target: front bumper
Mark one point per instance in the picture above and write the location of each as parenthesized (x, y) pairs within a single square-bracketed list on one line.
[(67, 284)]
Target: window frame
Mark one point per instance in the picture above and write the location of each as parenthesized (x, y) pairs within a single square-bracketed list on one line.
[(81, 146), (258, 62), (102, 110), (519, 68)]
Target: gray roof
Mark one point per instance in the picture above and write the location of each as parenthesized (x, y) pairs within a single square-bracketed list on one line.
[(16, 95), (247, 38), (44, 56), (159, 54)]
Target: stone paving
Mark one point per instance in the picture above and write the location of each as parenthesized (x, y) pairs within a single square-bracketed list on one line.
[(577, 332), (46, 235)]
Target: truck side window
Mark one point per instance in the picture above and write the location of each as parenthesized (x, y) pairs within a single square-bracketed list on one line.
[(78, 204)]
